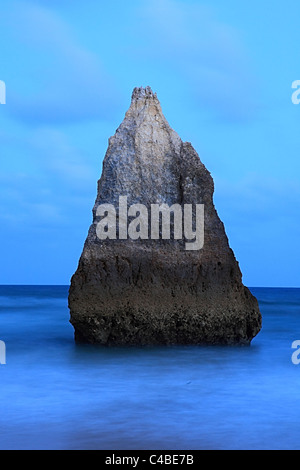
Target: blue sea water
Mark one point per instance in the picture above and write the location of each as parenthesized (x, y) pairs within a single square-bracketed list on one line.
[(55, 394)]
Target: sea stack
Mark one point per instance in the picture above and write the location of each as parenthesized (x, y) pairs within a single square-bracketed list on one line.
[(140, 285)]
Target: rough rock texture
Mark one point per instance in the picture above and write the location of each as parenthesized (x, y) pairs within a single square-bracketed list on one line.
[(134, 292)]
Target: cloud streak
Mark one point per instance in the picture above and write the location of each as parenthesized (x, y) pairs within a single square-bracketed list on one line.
[(66, 82), (207, 53)]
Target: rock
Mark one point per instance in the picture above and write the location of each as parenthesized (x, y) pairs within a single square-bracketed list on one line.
[(158, 291)]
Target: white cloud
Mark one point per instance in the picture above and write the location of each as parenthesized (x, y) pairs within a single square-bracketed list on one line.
[(62, 80), (208, 53), (257, 199), (55, 154)]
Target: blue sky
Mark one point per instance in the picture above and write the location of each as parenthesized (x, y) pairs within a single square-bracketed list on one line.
[(223, 73)]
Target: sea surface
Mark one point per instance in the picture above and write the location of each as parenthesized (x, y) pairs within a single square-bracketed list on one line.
[(55, 394)]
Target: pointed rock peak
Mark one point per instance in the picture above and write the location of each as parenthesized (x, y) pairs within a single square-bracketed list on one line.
[(145, 117), (143, 93), (144, 103)]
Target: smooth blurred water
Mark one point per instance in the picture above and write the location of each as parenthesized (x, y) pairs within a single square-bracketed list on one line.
[(58, 395)]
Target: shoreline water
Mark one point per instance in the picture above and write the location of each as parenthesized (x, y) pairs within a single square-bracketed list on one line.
[(58, 395)]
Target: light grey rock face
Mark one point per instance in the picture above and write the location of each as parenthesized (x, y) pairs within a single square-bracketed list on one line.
[(144, 291)]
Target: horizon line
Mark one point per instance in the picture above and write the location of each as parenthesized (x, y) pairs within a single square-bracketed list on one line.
[(67, 285)]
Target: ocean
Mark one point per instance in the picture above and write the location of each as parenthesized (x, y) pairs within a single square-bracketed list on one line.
[(55, 394)]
